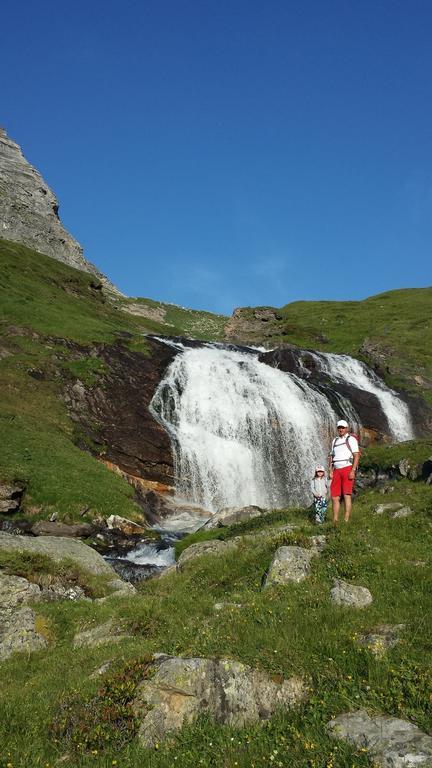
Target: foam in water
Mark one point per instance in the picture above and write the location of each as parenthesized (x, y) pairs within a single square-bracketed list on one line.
[(345, 368), (147, 554), (242, 432)]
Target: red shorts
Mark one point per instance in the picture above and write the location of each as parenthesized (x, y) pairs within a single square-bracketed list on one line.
[(341, 485)]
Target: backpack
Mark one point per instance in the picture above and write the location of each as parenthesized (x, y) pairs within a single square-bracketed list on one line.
[(350, 434)]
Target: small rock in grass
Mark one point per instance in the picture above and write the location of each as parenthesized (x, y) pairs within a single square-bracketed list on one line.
[(222, 606), (402, 512), (343, 593), (381, 638), (389, 507), (392, 743)]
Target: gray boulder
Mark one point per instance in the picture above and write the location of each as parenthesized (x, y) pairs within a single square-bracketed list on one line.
[(395, 509), (391, 506), (63, 592), (58, 548), (15, 591), (18, 632), (402, 512), (181, 689), (10, 498), (232, 515), (8, 491), (350, 595), (8, 505), (119, 588), (52, 528), (17, 620), (392, 743), (212, 547), (290, 564)]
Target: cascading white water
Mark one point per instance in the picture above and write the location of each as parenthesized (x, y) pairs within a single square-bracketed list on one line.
[(345, 368), (242, 432)]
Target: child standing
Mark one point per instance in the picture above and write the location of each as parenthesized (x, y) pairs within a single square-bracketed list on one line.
[(320, 488)]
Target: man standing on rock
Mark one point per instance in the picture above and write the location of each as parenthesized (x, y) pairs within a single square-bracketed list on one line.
[(343, 462)]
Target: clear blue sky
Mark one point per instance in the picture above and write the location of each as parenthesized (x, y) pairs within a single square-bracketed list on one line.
[(227, 153)]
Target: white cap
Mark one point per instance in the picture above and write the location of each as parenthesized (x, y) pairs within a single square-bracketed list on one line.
[(319, 468), (342, 423)]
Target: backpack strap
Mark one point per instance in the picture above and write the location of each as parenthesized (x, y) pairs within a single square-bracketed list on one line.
[(347, 445)]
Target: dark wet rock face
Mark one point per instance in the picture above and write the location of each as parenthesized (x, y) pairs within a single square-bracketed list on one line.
[(117, 415)]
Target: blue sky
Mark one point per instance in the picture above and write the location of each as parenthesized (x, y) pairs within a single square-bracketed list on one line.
[(220, 154)]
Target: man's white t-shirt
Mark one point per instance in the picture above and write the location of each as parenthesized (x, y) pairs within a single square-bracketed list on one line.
[(342, 456)]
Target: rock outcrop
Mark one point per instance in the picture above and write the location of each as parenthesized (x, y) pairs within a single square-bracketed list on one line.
[(29, 213), (17, 620), (10, 498), (58, 548), (179, 690), (211, 547), (391, 742), (232, 515), (29, 210)]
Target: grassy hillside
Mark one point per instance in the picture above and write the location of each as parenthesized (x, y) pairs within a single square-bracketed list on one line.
[(292, 629)]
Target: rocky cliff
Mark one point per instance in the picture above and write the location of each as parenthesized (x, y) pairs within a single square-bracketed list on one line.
[(29, 210)]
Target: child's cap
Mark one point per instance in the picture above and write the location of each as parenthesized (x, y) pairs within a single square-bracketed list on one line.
[(319, 468)]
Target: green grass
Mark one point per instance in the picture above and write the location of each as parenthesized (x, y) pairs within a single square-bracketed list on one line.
[(387, 457), (287, 630)]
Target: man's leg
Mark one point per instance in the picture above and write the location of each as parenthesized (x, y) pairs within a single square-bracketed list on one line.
[(348, 505), (336, 508)]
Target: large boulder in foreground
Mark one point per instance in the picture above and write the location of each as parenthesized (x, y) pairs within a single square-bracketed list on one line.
[(392, 743), (58, 548), (179, 690)]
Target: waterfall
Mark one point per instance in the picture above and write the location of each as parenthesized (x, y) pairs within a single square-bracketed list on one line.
[(347, 369), (242, 432)]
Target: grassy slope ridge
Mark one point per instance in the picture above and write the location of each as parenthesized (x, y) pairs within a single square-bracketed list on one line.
[(287, 630)]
